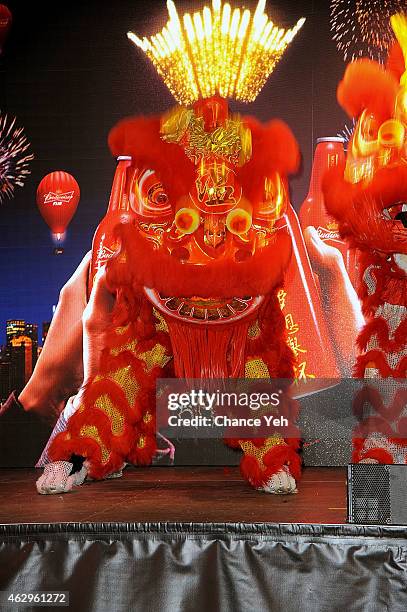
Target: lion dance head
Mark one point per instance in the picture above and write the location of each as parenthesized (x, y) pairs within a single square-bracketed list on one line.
[(205, 249), (368, 196)]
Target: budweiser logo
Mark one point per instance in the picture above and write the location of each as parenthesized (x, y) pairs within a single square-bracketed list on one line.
[(58, 198), (103, 254), (327, 234)]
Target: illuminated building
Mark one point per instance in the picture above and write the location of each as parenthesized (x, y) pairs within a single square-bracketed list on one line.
[(31, 330), (14, 327), (18, 358), (45, 328), (5, 364), (25, 359)]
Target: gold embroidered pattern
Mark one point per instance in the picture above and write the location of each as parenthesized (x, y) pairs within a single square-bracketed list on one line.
[(157, 356), (256, 368), (91, 431), (232, 141), (254, 330), (130, 346), (141, 442), (258, 452), (105, 404), (161, 325), (127, 382)]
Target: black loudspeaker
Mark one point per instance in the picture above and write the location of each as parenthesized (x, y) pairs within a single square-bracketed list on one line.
[(377, 494)]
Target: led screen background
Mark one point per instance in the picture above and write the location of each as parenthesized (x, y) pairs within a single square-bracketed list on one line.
[(69, 74)]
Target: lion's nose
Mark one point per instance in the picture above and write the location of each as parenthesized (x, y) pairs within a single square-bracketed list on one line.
[(214, 230)]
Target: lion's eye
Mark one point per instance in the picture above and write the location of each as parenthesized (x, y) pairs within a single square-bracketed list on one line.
[(156, 195), (149, 196)]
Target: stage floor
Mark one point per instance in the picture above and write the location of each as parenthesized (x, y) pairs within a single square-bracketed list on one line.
[(176, 494)]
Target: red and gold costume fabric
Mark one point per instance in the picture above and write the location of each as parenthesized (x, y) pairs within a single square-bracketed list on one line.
[(368, 197), (196, 279)]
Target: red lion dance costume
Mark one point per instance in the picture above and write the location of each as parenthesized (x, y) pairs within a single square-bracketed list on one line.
[(196, 280), (368, 197)]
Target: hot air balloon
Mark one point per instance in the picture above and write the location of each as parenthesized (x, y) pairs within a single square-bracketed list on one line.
[(5, 23), (57, 198)]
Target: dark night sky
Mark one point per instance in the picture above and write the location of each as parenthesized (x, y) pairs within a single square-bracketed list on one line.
[(69, 73)]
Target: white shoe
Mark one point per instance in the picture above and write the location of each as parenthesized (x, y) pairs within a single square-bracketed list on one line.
[(57, 478), (281, 483)]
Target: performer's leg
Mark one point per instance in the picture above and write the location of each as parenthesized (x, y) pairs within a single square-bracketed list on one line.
[(272, 464)]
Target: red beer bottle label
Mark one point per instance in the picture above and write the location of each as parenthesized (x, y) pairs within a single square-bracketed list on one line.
[(104, 244), (329, 153), (307, 333)]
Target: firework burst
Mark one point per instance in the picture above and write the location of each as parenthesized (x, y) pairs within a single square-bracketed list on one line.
[(362, 27), (347, 132), (14, 157)]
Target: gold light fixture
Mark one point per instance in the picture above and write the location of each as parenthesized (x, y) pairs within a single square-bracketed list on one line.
[(225, 51)]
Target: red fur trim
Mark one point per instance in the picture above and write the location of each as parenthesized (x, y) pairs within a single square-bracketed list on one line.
[(251, 471), (380, 328), (295, 443), (62, 448), (274, 460), (108, 387), (144, 455), (380, 361), (149, 426), (366, 84), (338, 194), (388, 186), (274, 149), (380, 454), (391, 283), (283, 455), (92, 416), (158, 269), (280, 361), (159, 337), (125, 359), (395, 61), (98, 471), (271, 323), (358, 208), (140, 138), (232, 442)]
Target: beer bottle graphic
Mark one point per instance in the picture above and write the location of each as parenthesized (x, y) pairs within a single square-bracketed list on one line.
[(104, 244), (300, 302), (329, 153)]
